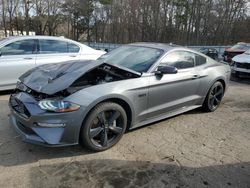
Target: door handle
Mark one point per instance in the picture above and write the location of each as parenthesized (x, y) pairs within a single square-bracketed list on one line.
[(28, 58), (72, 56), (196, 76)]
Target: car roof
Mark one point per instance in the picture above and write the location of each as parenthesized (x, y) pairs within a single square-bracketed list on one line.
[(243, 43), (35, 36), (10, 39), (14, 38), (162, 46)]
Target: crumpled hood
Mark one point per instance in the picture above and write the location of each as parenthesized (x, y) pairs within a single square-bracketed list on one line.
[(243, 58), (52, 78)]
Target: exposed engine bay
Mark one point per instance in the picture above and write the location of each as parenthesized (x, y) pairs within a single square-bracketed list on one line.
[(101, 74)]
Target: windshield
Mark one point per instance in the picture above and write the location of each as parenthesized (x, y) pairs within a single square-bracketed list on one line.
[(241, 47), (136, 58)]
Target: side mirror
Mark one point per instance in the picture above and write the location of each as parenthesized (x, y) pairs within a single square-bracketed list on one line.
[(166, 70)]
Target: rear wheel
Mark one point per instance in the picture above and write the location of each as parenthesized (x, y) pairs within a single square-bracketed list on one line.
[(214, 97), (104, 126)]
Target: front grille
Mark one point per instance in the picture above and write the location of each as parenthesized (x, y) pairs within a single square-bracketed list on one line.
[(19, 107), (243, 65), (25, 129)]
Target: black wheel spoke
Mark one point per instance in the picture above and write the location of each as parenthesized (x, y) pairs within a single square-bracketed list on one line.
[(95, 132), (104, 138), (212, 101), (114, 116), (116, 130), (101, 117), (219, 92), (215, 90), (216, 100)]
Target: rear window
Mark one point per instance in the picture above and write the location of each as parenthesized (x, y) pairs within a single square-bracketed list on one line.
[(52, 46), (72, 48), (56, 46)]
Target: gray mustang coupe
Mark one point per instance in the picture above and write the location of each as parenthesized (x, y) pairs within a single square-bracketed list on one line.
[(95, 102)]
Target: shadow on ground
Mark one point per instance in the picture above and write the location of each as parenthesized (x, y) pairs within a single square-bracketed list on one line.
[(118, 173), (15, 152)]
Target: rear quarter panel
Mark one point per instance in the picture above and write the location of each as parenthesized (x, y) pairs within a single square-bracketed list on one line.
[(210, 73)]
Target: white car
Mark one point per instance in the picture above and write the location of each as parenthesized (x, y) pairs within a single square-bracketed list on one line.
[(241, 64), (19, 54)]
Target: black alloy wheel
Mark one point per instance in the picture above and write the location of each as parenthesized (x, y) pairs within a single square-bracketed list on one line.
[(214, 97), (104, 127)]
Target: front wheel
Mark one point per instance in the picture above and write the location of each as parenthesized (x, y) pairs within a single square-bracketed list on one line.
[(214, 97), (104, 126)]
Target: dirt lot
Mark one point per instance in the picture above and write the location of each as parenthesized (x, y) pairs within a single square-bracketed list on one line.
[(191, 150)]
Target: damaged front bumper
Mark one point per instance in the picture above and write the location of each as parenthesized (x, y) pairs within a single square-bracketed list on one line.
[(244, 70), (44, 128)]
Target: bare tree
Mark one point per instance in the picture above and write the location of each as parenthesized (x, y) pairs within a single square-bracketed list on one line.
[(192, 22), (27, 4), (4, 17)]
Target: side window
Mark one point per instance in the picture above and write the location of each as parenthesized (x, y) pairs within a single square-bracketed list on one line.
[(19, 48), (180, 60), (73, 48), (200, 60), (52, 46)]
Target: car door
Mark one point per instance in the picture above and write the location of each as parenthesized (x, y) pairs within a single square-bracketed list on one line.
[(56, 51), (16, 58), (171, 92)]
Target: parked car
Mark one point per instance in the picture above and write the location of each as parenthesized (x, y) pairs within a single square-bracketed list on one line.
[(19, 54), (241, 64), (210, 52), (95, 102), (237, 49)]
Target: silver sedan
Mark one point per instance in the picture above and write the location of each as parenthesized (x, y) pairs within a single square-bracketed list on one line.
[(19, 54), (95, 102)]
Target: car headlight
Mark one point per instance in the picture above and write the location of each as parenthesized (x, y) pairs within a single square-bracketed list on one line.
[(58, 106)]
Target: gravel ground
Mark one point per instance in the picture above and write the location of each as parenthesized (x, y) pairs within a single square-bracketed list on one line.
[(194, 149)]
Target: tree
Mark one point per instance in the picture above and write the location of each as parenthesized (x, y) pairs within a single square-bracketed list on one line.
[(186, 22)]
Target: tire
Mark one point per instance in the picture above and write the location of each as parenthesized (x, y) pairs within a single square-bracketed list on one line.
[(104, 126), (214, 97)]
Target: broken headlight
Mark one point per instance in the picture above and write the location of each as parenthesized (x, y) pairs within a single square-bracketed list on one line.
[(58, 106)]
